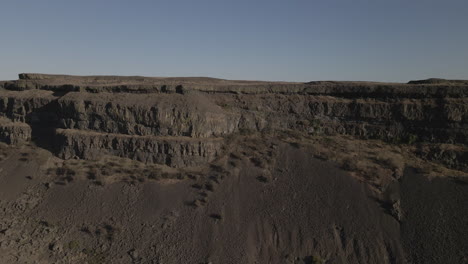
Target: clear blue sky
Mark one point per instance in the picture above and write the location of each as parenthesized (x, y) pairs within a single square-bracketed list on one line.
[(290, 40)]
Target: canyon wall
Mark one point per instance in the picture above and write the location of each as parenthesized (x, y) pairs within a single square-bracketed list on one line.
[(184, 121)]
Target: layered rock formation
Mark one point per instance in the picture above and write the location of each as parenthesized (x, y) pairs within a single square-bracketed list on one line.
[(14, 132), (174, 151), (181, 121)]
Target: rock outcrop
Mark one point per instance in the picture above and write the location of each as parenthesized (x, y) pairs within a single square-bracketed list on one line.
[(182, 121), (14, 132), (172, 151)]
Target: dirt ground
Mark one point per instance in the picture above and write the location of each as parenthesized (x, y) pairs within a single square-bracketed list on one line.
[(267, 200)]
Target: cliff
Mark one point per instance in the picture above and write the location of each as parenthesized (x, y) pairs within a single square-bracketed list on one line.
[(174, 120)]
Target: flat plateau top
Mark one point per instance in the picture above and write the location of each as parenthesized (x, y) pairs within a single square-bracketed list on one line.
[(138, 84), (123, 80)]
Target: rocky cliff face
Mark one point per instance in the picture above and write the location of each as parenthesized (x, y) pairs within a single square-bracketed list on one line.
[(182, 121), (173, 151), (14, 132)]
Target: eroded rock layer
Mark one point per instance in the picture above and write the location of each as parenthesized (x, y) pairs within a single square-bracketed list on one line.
[(179, 121), (171, 151), (14, 132)]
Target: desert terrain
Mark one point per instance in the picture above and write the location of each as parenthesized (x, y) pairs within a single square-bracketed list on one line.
[(130, 169)]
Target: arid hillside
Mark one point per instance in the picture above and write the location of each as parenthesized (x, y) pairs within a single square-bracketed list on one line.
[(112, 169)]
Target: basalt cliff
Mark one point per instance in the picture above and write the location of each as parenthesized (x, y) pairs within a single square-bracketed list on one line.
[(180, 121)]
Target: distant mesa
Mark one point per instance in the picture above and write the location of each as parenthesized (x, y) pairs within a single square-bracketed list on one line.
[(438, 81)]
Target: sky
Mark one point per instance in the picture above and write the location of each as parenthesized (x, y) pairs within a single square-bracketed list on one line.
[(287, 40)]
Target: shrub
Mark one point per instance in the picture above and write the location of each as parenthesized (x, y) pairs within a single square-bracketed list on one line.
[(411, 138)]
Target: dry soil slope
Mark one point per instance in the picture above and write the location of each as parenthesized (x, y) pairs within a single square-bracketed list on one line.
[(304, 211)]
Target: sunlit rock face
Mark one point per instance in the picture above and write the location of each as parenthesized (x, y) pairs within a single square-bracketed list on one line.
[(162, 120)]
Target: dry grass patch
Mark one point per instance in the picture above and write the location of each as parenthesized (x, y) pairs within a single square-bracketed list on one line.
[(372, 161), (111, 169)]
